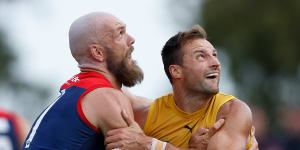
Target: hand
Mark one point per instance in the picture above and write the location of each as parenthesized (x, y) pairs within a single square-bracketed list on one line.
[(129, 138), (200, 138), (254, 145)]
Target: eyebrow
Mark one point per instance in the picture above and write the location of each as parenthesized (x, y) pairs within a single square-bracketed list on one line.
[(198, 51), (123, 26), (201, 51)]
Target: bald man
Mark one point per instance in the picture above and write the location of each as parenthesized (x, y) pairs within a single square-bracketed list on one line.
[(90, 103)]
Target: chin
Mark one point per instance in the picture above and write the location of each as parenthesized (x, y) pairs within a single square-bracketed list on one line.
[(217, 91), (210, 92), (214, 91)]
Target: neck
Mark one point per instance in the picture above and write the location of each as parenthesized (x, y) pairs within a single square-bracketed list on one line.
[(190, 101), (103, 71)]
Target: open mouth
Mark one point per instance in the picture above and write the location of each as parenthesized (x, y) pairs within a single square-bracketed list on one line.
[(212, 76), (130, 60), (129, 54)]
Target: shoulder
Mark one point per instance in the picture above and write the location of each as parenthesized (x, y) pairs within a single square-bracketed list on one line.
[(103, 106), (104, 99), (237, 126), (234, 107), (153, 110), (165, 99), (106, 91), (238, 117), (106, 95), (141, 114), (136, 101)]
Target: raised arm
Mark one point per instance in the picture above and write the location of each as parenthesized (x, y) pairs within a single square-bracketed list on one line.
[(234, 134)]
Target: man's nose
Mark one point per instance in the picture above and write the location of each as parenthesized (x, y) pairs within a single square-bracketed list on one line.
[(214, 62), (131, 40)]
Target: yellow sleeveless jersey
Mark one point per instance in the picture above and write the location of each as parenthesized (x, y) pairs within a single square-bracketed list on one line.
[(167, 122)]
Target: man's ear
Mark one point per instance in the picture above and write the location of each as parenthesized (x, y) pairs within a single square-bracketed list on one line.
[(175, 71), (97, 52)]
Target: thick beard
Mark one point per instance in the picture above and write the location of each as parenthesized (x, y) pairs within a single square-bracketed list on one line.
[(126, 74)]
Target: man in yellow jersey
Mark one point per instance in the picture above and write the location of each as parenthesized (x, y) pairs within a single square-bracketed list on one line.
[(193, 68)]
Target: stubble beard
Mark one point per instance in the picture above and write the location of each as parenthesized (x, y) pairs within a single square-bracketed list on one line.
[(210, 86), (203, 87), (209, 89)]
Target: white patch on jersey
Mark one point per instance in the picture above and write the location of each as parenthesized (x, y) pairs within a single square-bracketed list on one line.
[(75, 79), (4, 126)]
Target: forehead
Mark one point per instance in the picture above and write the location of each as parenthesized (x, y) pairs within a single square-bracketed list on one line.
[(194, 45), (114, 23), (108, 26)]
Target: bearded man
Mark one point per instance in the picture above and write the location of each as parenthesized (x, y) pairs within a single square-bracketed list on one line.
[(90, 103)]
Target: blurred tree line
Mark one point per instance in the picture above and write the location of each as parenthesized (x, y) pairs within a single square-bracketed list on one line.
[(25, 94), (8, 74), (262, 40)]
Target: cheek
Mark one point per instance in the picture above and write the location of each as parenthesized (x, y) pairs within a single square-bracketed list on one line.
[(123, 43), (194, 75), (199, 69), (120, 44)]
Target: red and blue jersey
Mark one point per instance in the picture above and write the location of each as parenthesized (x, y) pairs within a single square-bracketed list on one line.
[(9, 131), (62, 125)]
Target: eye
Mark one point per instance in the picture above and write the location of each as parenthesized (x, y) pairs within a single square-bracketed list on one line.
[(200, 57), (121, 33), (215, 54)]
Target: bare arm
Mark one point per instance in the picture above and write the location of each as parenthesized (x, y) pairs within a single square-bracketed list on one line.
[(237, 127), (127, 138), (130, 139), (136, 101), (102, 107), (140, 106)]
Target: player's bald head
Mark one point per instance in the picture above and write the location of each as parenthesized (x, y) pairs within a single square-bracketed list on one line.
[(86, 30)]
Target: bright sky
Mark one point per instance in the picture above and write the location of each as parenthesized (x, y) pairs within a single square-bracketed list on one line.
[(38, 30), (40, 35)]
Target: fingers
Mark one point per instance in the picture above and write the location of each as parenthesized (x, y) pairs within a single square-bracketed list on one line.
[(254, 145), (115, 141), (217, 125), (112, 139), (129, 121), (200, 131), (114, 132), (119, 144), (252, 131), (198, 139)]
